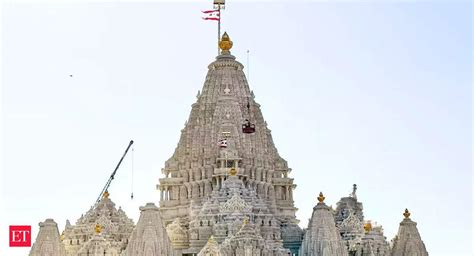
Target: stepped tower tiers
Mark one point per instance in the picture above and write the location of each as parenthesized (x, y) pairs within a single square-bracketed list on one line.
[(408, 241), (199, 166), (48, 240), (114, 226), (149, 237), (360, 237), (226, 209), (246, 241), (348, 206), (98, 245), (349, 219), (322, 237)]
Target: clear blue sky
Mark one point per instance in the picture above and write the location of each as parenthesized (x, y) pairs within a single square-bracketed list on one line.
[(376, 93)]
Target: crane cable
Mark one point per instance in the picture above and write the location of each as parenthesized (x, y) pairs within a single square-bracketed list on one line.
[(133, 150)]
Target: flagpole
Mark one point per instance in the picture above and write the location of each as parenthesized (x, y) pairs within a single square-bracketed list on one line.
[(218, 27)]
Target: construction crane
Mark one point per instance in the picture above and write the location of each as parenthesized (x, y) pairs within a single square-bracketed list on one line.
[(107, 185)]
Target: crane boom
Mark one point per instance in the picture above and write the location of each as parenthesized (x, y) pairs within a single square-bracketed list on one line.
[(113, 173)]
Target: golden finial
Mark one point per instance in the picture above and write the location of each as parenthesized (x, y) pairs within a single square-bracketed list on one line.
[(232, 171), (368, 226), (246, 220), (106, 194), (98, 228), (321, 197), (211, 240), (406, 214), (225, 43)]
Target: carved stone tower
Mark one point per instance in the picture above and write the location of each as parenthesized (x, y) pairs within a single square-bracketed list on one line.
[(226, 135)]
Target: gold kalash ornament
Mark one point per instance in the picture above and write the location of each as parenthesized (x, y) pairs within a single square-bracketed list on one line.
[(232, 171), (225, 43), (98, 228), (368, 227), (406, 214), (321, 197)]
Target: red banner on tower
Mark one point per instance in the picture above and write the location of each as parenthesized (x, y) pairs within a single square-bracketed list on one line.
[(212, 15)]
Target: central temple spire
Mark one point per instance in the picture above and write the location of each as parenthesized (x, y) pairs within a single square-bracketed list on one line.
[(226, 110)]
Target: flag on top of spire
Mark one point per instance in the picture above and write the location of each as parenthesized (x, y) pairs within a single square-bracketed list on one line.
[(212, 15)]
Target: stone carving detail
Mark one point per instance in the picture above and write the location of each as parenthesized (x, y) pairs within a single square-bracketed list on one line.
[(373, 243), (178, 234), (211, 248), (98, 245), (235, 204), (115, 230), (248, 242)]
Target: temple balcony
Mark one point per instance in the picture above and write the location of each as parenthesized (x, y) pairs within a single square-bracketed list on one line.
[(225, 171), (169, 203), (171, 181), (282, 181)]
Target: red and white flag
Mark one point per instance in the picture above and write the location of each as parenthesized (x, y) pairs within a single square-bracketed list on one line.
[(212, 15)]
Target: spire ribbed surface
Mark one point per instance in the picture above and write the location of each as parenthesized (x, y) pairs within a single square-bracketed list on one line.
[(322, 237), (48, 241), (149, 237), (408, 240), (199, 166)]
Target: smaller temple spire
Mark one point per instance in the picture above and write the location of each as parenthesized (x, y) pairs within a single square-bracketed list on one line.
[(149, 236), (322, 237), (408, 240), (48, 241)]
